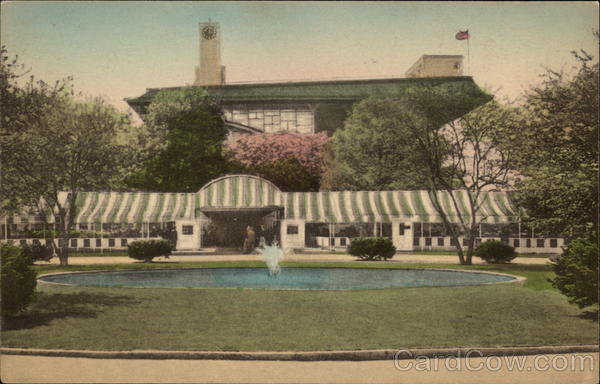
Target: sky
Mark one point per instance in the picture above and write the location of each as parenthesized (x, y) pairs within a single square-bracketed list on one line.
[(118, 49)]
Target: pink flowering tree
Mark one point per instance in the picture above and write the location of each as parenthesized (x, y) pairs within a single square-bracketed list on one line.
[(292, 161)]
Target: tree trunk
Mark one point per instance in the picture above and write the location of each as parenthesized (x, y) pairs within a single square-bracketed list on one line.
[(471, 244), (63, 240), (461, 255)]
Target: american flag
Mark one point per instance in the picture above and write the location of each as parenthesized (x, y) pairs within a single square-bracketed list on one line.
[(462, 35)]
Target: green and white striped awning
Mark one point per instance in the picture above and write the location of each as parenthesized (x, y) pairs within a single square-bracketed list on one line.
[(244, 191), (385, 206), (127, 207), (239, 191)]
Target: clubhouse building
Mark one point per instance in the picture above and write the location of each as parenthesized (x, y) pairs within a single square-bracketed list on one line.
[(217, 216)]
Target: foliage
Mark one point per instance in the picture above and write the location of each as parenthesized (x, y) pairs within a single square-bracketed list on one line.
[(426, 139), (288, 175), (372, 248), (555, 148), (372, 151), (37, 252), (292, 161), (495, 252), (147, 250), (182, 141), (57, 146), (18, 280), (42, 234), (86, 234), (577, 271)]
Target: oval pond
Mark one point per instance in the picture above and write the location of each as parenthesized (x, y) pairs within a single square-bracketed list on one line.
[(289, 278)]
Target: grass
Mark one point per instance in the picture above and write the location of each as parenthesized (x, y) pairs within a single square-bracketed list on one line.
[(241, 319)]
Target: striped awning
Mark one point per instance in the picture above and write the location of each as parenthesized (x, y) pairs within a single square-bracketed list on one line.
[(251, 192), (131, 207), (239, 191), (385, 206)]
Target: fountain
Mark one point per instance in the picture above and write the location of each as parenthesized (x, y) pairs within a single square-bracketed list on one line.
[(271, 255)]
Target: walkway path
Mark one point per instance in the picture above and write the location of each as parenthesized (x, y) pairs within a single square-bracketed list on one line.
[(399, 258), (38, 369)]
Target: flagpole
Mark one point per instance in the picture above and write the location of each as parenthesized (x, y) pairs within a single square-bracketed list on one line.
[(468, 57)]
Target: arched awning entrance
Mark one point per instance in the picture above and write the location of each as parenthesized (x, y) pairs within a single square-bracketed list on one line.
[(229, 205)]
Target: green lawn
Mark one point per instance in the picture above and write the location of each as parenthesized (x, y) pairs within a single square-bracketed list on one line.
[(243, 319)]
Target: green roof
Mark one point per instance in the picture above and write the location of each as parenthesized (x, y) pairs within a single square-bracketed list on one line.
[(347, 91)]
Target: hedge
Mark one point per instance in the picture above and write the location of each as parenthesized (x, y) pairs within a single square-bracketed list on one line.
[(17, 278), (146, 250), (372, 248)]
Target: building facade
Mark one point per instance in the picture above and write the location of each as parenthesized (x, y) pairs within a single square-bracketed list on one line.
[(307, 106), (218, 215)]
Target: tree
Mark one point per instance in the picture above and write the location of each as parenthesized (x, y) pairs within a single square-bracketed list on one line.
[(577, 271), (183, 142), (372, 151), (293, 162), (555, 148), (461, 155), (18, 280), (21, 104), (54, 146)]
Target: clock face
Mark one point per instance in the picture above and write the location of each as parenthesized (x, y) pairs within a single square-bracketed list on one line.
[(209, 32)]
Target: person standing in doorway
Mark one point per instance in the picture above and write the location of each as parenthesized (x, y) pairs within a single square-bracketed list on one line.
[(250, 239), (173, 238)]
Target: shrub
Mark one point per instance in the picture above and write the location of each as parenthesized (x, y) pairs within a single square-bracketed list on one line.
[(146, 250), (84, 234), (18, 280), (577, 272), (44, 233), (495, 252), (37, 252), (372, 248)]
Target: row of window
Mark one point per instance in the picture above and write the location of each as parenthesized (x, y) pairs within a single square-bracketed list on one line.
[(86, 242), (539, 243)]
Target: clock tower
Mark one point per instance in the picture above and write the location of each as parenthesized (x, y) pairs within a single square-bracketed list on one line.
[(210, 71)]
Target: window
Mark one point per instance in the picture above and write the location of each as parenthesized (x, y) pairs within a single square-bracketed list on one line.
[(540, 243), (111, 242), (292, 229), (343, 242), (36, 242), (73, 243), (465, 242), (440, 241), (403, 228), (23, 242), (452, 242), (553, 243), (516, 243), (123, 242), (86, 243), (416, 241), (428, 241), (528, 243), (187, 229), (98, 242)]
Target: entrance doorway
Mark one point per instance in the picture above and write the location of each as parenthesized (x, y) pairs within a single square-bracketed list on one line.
[(227, 228)]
